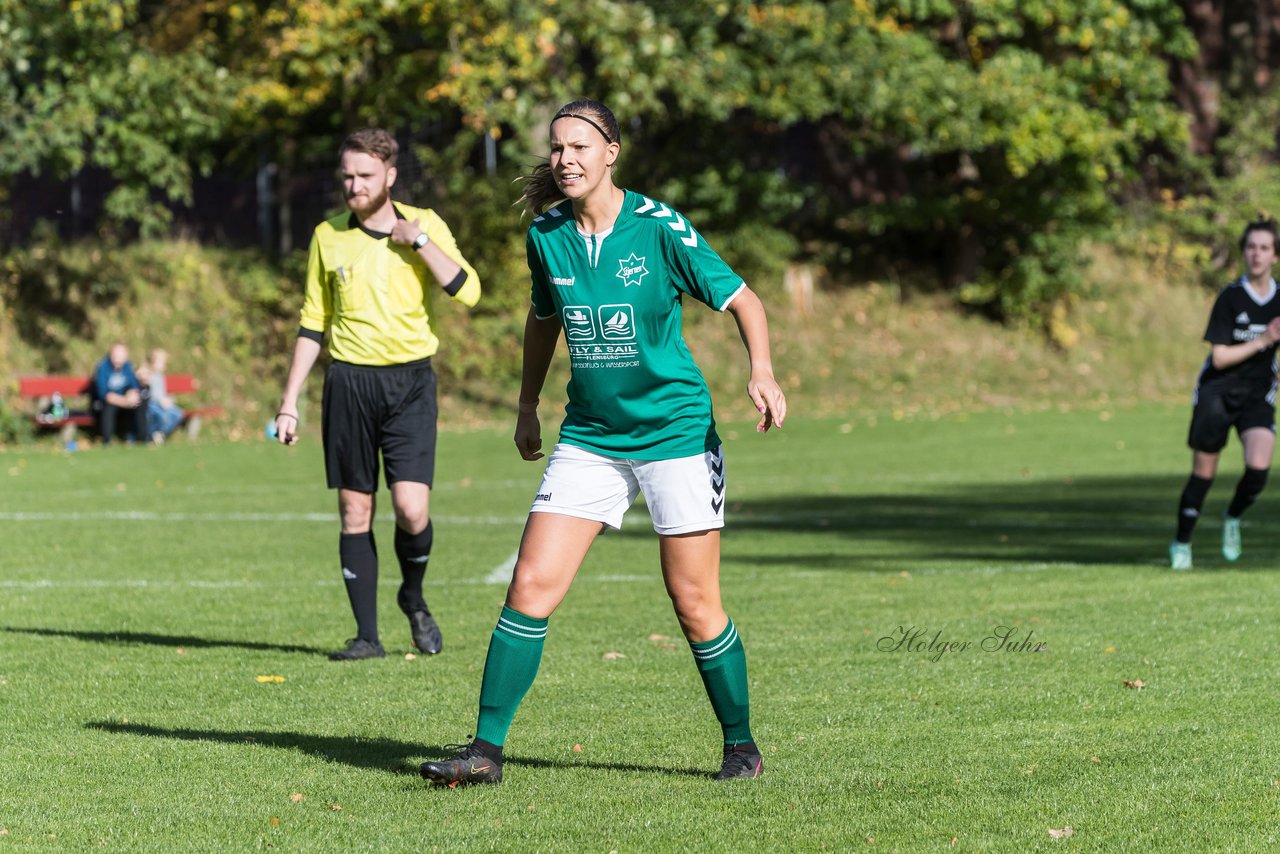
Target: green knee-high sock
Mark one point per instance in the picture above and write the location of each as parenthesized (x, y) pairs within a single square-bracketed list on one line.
[(515, 651), (722, 663)]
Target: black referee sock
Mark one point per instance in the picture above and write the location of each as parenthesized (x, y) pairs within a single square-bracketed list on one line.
[(413, 551), (359, 556), (1247, 491), (1189, 505)]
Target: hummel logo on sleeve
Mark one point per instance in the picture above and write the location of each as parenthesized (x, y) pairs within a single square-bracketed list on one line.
[(657, 210), (563, 281)]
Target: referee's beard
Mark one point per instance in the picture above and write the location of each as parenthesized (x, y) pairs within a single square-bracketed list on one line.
[(368, 209)]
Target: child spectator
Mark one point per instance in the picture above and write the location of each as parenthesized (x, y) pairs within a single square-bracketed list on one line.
[(163, 415)]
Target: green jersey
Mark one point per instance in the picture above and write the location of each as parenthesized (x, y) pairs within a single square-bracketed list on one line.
[(634, 389)]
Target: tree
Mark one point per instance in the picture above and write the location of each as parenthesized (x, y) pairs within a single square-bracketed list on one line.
[(79, 88)]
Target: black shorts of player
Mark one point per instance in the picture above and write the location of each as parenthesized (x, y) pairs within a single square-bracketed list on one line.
[(1217, 410), (370, 409)]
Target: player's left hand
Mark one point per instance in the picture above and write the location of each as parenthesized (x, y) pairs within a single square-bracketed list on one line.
[(767, 395), (528, 436), (405, 231)]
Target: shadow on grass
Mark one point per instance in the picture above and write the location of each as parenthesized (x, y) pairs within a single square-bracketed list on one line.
[(147, 638), (376, 754), (1091, 520)]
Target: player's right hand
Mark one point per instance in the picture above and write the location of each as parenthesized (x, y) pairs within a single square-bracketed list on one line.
[(529, 436), (286, 428)]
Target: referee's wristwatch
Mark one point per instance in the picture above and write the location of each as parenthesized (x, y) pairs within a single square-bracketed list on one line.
[(420, 241)]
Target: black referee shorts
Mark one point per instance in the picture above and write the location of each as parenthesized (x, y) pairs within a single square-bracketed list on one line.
[(367, 409), (1218, 410)]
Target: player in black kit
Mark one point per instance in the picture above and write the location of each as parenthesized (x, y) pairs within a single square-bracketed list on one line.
[(1236, 388)]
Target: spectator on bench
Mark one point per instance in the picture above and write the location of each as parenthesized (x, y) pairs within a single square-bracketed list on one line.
[(116, 392), (163, 414)]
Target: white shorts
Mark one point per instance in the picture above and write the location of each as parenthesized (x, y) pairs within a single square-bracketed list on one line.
[(684, 495)]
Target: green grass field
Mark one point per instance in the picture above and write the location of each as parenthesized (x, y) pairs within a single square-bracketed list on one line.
[(144, 591)]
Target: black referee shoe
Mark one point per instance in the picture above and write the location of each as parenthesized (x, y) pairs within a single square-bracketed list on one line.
[(426, 634), (469, 765), (741, 762), (356, 649)]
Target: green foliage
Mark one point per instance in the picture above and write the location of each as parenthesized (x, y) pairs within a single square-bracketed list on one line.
[(1195, 233), (78, 89), (980, 142), (15, 427)]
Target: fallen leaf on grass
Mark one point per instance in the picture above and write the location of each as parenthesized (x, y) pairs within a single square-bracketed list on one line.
[(1064, 833), (1095, 758), (1109, 650), (1136, 684), (275, 822), (612, 656), (334, 807), (4, 831), (657, 637), (180, 651), (577, 748), (270, 678), (296, 797), (953, 841), (408, 656)]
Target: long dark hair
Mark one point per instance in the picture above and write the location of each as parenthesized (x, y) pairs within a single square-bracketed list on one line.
[(540, 190)]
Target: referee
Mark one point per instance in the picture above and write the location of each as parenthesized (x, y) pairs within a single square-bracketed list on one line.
[(371, 281), (1236, 388)]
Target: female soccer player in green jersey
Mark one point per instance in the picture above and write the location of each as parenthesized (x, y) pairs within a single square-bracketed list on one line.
[(611, 268)]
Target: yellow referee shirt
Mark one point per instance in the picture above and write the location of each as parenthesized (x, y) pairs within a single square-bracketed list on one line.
[(374, 297)]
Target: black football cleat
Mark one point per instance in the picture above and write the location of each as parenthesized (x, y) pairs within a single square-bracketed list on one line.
[(358, 648), (426, 634), (741, 762), (470, 765)]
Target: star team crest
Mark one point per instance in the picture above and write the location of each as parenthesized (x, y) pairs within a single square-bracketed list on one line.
[(632, 271)]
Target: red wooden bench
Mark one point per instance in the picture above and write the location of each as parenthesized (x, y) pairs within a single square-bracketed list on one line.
[(42, 389)]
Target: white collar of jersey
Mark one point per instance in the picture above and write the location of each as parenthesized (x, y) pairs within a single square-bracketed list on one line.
[(594, 242), (599, 235), (1271, 290)]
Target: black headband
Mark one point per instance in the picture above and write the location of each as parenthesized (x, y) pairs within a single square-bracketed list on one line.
[(585, 119)]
